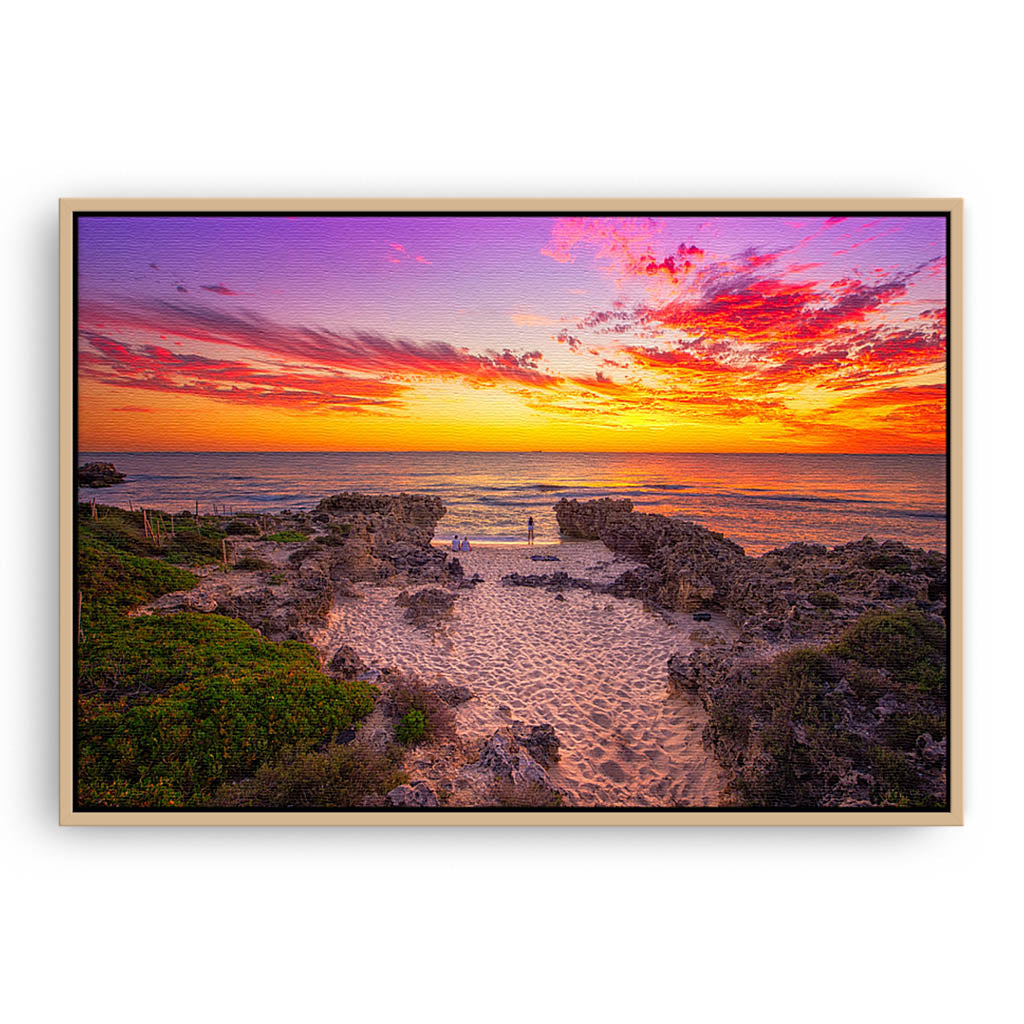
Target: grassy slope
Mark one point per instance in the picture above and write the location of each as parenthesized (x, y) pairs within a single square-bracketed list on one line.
[(170, 708)]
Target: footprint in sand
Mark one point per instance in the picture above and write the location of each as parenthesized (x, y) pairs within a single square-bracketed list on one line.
[(613, 770)]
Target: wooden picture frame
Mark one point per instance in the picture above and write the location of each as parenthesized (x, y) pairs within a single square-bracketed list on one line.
[(950, 211)]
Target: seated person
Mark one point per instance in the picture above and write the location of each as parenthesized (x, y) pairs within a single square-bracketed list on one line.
[(465, 543)]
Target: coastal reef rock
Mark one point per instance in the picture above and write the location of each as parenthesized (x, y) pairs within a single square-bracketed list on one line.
[(848, 724), (687, 565), (555, 581), (413, 794), (286, 611), (833, 691), (800, 591), (426, 608), (99, 474), (345, 663), (307, 560), (512, 767)]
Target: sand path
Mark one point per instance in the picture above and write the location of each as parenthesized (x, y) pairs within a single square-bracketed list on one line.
[(591, 665)]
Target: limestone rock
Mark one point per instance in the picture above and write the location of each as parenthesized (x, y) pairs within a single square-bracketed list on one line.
[(345, 663), (414, 794), (426, 608), (99, 474)]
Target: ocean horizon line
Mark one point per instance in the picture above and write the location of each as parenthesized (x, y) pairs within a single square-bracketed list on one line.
[(476, 451)]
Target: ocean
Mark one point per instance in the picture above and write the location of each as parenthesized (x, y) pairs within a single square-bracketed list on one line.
[(759, 501)]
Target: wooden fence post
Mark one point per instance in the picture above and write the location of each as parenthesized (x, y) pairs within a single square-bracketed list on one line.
[(224, 551)]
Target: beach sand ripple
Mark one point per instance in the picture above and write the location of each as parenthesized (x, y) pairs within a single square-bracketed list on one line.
[(591, 665)]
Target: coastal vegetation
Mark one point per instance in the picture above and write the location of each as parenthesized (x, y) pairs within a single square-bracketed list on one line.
[(288, 537), (170, 708), (336, 775), (862, 717), (421, 713)]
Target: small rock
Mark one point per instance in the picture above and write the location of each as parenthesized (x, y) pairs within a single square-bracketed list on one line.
[(99, 474), (346, 663), (540, 740), (452, 694), (426, 607), (415, 794)]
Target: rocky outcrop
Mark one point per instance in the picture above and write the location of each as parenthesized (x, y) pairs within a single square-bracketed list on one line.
[(426, 608), (794, 593), (845, 724), (832, 693), (290, 610), (413, 794), (99, 474), (688, 566), (309, 559), (345, 663), (511, 769), (555, 581), (540, 741)]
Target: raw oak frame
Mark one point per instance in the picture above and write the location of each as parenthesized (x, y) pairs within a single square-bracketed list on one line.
[(632, 816)]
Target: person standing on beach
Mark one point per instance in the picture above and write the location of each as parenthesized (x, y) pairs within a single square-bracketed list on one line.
[(455, 543), (529, 530)]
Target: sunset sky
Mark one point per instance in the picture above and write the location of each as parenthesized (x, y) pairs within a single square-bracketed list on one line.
[(688, 333)]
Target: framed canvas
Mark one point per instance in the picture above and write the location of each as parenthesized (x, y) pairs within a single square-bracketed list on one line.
[(626, 511)]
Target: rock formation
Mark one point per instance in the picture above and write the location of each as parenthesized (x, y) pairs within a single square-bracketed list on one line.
[(347, 538), (99, 474), (833, 691)]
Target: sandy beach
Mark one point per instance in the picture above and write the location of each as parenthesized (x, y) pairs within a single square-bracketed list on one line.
[(591, 665)]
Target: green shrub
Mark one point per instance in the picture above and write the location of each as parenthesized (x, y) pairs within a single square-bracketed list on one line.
[(792, 729), (412, 728), (823, 599), (907, 644), (171, 707), (287, 537), (114, 581), (901, 729), (438, 719), (241, 527), (250, 563), (195, 542), (349, 775)]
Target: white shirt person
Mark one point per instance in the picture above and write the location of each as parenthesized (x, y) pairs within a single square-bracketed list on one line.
[(455, 543)]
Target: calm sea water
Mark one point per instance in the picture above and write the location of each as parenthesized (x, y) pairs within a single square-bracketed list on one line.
[(760, 501)]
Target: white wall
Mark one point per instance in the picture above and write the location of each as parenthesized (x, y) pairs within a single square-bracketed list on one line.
[(773, 99)]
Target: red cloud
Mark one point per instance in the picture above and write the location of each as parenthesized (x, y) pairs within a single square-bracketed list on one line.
[(357, 367)]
